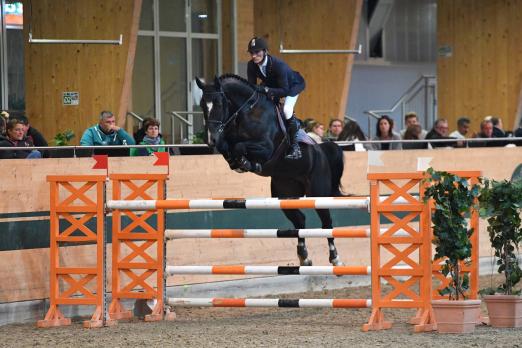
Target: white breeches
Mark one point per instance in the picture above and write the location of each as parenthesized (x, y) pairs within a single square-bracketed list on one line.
[(288, 108)]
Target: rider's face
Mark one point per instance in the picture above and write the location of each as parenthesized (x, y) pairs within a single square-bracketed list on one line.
[(257, 56)]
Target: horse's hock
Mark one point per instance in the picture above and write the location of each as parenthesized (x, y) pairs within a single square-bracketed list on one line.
[(400, 239)]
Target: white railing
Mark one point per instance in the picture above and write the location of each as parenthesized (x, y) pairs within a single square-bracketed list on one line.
[(420, 97)]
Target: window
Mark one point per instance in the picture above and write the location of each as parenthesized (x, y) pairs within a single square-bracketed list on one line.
[(178, 40)]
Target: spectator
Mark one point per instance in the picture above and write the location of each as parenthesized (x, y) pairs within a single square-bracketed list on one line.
[(152, 137), (498, 131), (15, 137), (414, 133), (352, 132), (518, 134), (334, 129), (411, 119), (32, 133), (440, 131), (462, 128), (138, 136), (315, 130), (384, 131), (486, 132), (105, 133), (4, 117)]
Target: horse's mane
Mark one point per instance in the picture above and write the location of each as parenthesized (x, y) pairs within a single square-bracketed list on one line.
[(237, 78)]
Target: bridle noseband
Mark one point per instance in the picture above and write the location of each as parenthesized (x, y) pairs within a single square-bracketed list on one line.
[(222, 125)]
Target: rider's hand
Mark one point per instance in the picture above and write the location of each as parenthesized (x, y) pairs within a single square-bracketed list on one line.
[(262, 89)]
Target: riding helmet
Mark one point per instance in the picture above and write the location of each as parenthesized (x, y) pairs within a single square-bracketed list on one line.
[(257, 44)]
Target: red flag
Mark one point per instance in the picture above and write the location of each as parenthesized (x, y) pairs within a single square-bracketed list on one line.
[(162, 158), (102, 161)]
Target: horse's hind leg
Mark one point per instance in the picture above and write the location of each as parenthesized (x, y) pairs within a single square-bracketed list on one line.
[(326, 221), (298, 220)]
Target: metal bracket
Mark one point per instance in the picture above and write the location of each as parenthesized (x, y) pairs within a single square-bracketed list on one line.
[(286, 51), (66, 41)]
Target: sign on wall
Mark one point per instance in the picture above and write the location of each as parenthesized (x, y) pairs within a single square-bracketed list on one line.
[(71, 98)]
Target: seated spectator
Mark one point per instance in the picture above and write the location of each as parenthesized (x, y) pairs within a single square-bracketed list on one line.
[(30, 132), (414, 133), (440, 131), (384, 131), (152, 137), (4, 117), (518, 134), (315, 130), (334, 129), (498, 131), (306, 122), (15, 137), (461, 132), (352, 132), (107, 133), (411, 119), (462, 128), (486, 132), (138, 136)]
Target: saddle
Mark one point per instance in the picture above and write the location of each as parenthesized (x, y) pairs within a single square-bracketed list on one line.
[(302, 137)]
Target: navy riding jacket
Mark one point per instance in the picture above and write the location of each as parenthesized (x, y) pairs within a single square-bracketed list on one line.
[(280, 79)]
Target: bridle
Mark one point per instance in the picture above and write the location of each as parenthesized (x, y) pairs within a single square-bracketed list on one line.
[(222, 125)]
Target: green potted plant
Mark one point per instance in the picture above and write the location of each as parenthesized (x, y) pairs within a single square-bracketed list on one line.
[(63, 139), (500, 202), (453, 199)]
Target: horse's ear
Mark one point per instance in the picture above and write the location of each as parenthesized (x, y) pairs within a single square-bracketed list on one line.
[(200, 83), (217, 83)]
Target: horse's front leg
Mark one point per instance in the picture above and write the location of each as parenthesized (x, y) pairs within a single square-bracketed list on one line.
[(251, 154)]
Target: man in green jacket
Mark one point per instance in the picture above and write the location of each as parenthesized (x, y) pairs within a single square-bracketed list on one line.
[(106, 133)]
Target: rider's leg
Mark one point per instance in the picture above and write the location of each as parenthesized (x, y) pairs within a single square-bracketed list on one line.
[(292, 126)]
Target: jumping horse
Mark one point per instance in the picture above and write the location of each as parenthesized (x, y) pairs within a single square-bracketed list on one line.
[(244, 126)]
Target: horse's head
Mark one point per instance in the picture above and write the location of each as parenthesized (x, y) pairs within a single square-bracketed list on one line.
[(215, 109)]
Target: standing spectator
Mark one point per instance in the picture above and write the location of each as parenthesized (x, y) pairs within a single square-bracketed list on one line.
[(152, 137), (352, 132), (15, 137), (411, 119), (106, 132), (335, 128), (384, 131), (315, 130), (440, 131), (414, 133)]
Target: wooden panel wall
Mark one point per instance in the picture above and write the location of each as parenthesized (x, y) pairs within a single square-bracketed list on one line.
[(483, 75), (309, 24), (244, 31), (95, 71)]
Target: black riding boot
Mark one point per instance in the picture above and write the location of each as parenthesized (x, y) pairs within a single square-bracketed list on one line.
[(292, 126)]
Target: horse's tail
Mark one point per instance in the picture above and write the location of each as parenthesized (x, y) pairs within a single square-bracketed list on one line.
[(335, 157)]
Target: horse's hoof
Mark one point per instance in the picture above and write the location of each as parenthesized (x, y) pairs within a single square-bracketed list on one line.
[(306, 262), (337, 262)]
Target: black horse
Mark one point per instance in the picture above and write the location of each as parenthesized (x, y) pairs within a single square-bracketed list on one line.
[(244, 127)]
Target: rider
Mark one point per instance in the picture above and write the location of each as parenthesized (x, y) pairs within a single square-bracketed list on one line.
[(278, 80)]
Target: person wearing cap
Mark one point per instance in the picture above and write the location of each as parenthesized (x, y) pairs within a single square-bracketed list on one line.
[(278, 81)]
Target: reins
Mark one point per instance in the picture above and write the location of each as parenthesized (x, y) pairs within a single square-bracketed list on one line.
[(223, 125)]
